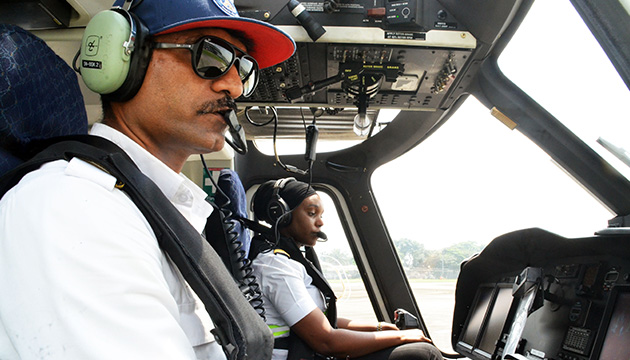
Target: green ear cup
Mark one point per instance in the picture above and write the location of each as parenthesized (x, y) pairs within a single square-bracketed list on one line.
[(104, 61)]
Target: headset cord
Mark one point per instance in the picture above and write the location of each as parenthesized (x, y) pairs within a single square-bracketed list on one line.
[(276, 229), (245, 277), (274, 118), (309, 171), (288, 168)]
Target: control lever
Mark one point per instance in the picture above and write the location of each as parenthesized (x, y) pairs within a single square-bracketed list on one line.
[(296, 92), (530, 278), (403, 319), (238, 142)]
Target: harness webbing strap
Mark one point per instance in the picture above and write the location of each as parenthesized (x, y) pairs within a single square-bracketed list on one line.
[(298, 348), (283, 343), (289, 246), (238, 328)]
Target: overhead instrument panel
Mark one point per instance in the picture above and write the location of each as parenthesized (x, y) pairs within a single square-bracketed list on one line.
[(363, 54)]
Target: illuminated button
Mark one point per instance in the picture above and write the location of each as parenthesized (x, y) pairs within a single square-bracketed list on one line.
[(376, 13)]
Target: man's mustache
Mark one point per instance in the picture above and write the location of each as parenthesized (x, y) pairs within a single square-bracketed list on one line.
[(221, 105)]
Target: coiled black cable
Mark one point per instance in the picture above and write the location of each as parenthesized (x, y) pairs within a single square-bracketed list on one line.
[(241, 266)]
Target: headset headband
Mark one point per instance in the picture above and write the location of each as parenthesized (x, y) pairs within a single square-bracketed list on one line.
[(277, 208), (279, 184), (130, 44)]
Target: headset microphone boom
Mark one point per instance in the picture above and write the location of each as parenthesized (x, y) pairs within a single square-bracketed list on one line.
[(238, 142)]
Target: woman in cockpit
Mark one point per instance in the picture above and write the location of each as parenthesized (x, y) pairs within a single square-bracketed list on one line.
[(300, 305)]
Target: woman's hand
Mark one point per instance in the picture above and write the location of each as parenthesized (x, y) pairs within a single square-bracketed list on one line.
[(352, 338), (414, 335)]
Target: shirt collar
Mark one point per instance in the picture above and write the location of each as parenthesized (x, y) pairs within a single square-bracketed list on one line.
[(185, 195)]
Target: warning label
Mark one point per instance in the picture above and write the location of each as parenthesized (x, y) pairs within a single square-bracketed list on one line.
[(341, 7), (405, 35)]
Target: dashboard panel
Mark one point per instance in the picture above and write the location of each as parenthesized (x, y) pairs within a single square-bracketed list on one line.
[(571, 300)]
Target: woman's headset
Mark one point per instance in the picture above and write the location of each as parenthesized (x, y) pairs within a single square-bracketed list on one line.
[(277, 209), (115, 53)]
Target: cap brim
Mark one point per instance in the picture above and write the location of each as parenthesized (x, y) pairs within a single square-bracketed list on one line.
[(271, 45)]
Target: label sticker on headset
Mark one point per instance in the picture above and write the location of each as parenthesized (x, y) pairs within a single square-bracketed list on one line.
[(89, 64), (227, 6)]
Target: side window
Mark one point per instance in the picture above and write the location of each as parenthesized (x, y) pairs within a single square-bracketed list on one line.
[(340, 269)]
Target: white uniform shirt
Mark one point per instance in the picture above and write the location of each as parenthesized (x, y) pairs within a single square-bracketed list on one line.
[(288, 293), (82, 275)]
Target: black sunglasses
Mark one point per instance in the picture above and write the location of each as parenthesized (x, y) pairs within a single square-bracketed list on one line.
[(213, 57)]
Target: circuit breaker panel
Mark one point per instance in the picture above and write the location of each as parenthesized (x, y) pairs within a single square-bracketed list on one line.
[(363, 53)]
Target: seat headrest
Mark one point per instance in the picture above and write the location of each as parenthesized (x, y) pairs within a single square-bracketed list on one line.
[(232, 187), (40, 96)]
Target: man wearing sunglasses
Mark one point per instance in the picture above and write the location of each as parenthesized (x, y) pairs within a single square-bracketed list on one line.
[(84, 277)]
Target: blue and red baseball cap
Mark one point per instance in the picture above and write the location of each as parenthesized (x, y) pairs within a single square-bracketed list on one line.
[(270, 44)]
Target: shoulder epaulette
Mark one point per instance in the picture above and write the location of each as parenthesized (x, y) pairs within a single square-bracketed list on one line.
[(281, 252)]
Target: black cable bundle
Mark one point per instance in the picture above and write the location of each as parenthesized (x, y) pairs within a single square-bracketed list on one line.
[(230, 248)]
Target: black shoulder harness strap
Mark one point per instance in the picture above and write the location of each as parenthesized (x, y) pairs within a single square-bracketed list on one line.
[(298, 348), (288, 247), (239, 329), (314, 271)]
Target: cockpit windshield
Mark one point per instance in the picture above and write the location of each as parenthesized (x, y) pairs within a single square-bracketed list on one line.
[(558, 62)]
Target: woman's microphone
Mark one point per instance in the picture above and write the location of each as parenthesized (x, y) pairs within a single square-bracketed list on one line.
[(322, 236)]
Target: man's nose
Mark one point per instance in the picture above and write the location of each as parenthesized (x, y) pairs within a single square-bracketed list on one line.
[(230, 82)]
